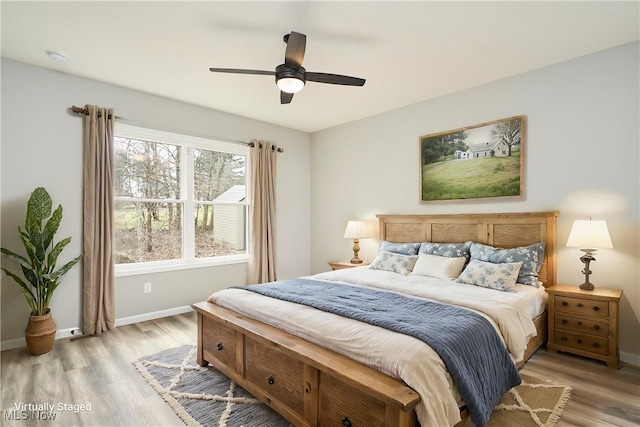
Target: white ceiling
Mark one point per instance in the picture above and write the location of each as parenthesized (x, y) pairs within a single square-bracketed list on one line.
[(407, 51)]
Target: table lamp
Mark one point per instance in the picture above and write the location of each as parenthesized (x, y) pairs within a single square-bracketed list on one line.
[(356, 230), (589, 235)]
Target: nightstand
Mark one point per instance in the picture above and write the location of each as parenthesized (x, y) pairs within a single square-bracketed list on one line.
[(584, 322), (338, 265)]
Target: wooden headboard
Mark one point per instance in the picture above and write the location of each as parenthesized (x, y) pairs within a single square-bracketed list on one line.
[(504, 230)]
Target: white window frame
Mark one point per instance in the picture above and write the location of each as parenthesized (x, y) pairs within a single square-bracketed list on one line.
[(188, 143)]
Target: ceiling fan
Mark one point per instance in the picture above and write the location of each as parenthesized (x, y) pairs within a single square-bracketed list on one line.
[(291, 76)]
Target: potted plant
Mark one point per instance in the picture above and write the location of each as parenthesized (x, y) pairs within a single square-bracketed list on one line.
[(39, 268)]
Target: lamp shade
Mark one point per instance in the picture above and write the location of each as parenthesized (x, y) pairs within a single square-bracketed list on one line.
[(356, 230), (589, 234)]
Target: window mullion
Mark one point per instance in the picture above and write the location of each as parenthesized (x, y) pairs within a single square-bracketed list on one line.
[(188, 227)]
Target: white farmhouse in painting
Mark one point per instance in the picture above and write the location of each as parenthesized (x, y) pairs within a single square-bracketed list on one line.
[(460, 155), (482, 150)]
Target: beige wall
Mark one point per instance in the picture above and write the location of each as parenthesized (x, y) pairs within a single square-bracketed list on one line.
[(42, 146), (582, 158)]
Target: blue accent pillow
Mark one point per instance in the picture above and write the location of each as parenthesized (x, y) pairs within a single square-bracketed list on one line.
[(399, 248), (531, 257), (451, 250), (397, 263), (501, 277)]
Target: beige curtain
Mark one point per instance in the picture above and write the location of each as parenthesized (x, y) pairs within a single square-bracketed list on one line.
[(262, 264), (98, 260)]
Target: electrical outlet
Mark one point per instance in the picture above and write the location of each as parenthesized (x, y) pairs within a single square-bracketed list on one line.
[(147, 288)]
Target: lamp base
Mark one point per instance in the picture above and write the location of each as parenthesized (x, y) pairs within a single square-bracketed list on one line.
[(356, 249), (587, 286), (586, 259)]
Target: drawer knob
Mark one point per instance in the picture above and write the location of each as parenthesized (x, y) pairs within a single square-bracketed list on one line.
[(596, 308), (579, 323), (564, 321), (596, 345), (564, 303), (579, 305), (346, 422), (219, 346), (579, 341), (271, 380), (595, 327)]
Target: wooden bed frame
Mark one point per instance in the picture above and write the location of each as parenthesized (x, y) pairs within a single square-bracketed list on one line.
[(312, 386)]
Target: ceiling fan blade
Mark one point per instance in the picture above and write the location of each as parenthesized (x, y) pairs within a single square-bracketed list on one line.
[(241, 71), (296, 44), (334, 79), (285, 97)]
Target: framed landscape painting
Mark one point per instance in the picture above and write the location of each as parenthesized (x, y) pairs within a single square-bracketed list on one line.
[(479, 161)]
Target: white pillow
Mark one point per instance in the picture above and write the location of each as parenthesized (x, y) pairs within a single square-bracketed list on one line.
[(397, 263), (489, 275), (441, 267)]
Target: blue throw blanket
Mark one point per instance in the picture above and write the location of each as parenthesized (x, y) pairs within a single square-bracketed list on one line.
[(467, 343)]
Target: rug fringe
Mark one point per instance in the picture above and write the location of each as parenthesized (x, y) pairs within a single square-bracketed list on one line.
[(557, 410), (553, 414), (173, 403)]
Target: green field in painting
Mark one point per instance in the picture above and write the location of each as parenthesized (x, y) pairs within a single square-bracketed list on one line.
[(471, 178)]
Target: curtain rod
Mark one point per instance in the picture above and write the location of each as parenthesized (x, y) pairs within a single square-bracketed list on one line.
[(251, 144), (80, 110)]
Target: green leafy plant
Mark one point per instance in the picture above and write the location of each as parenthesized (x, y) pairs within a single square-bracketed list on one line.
[(39, 269)]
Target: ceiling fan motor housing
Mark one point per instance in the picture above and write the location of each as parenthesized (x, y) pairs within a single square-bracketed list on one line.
[(287, 71), (290, 79)]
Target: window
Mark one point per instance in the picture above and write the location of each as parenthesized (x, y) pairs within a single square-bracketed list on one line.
[(179, 200)]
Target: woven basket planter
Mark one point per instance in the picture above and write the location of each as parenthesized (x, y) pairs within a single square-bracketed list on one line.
[(40, 333)]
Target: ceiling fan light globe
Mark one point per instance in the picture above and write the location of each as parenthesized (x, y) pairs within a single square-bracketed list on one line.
[(290, 84)]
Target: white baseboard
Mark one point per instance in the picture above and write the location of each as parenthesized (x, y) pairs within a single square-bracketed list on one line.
[(630, 358), (153, 315), (74, 332), (15, 343)]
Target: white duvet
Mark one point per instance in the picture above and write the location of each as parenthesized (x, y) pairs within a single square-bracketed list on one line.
[(394, 354)]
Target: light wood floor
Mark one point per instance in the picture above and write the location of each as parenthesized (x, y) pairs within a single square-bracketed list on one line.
[(601, 396), (99, 371)]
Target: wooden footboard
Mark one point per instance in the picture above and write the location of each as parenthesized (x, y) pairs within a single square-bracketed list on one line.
[(305, 383)]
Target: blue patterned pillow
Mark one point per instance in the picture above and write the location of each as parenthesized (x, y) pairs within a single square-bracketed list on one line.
[(531, 257), (397, 263), (501, 277), (399, 248), (451, 250)]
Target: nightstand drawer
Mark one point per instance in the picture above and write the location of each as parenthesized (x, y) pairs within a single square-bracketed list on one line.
[(582, 342), (580, 325), (584, 306)]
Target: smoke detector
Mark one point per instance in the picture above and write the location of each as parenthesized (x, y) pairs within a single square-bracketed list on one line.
[(56, 56)]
